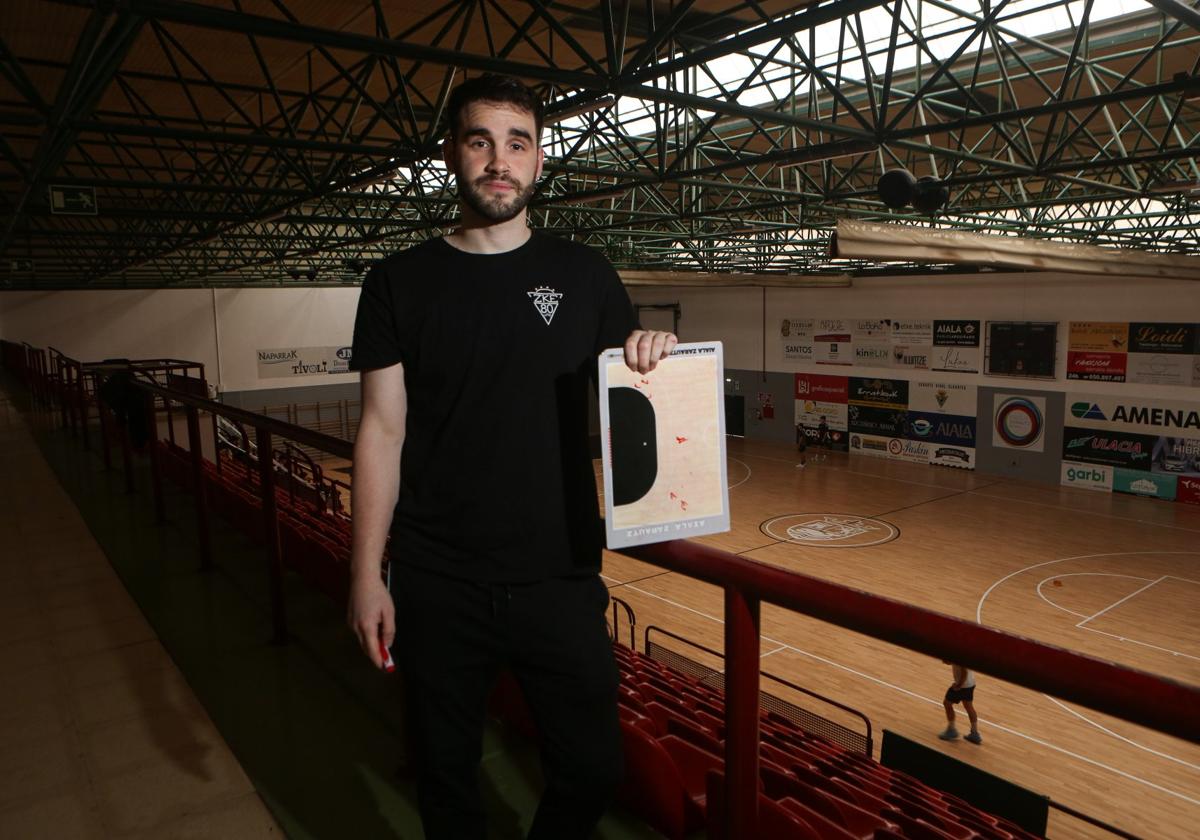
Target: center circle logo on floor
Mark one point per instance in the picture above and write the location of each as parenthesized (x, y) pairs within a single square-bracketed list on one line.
[(830, 530)]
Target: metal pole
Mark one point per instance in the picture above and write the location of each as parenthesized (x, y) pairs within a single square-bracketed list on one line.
[(127, 455), (64, 400), (266, 483), (202, 532), (216, 442), (81, 402), (160, 514), (104, 433), (741, 713)]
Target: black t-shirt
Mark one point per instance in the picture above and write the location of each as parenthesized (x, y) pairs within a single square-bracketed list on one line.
[(496, 478)]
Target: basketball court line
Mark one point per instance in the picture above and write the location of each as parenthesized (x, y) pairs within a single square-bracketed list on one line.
[(1058, 606), (1089, 512), (938, 499), (853, 519), (1011, 575), (598, 470), (744, 480), (1121, 737), (938, 703), (849, 471), (746, 551), (647, 577), (1056, 701), (1121, 601), (1084, 718), (1105, 633)]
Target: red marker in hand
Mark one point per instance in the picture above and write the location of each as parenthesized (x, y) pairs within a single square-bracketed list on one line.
[(389, 664)]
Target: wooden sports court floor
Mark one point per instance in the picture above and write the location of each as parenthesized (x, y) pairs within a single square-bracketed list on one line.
[(1109, 575)]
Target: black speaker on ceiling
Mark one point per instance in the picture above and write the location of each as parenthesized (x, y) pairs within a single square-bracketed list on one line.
[(898, 189)]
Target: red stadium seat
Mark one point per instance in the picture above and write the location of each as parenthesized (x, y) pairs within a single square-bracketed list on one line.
[(706, 739), (826, 828), (774, 821), (918, 829), (694, 763), (636, 718), (653, 786), (858, 821)]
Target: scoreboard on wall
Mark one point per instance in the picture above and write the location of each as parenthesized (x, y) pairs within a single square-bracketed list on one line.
[(1021, 348)]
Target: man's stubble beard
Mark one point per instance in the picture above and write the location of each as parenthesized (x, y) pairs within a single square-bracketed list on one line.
[(497, 209)]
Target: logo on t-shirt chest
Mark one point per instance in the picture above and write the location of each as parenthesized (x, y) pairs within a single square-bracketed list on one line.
[(546, 301)]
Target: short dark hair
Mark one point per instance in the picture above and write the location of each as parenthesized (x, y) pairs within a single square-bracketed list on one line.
[(493, 87)]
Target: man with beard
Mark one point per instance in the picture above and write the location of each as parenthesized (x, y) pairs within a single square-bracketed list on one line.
[(476, 351)]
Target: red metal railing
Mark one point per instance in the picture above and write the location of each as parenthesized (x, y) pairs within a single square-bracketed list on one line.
[(1137, 696)]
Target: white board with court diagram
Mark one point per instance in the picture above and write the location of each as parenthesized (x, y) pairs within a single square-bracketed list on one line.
[(664, 446)]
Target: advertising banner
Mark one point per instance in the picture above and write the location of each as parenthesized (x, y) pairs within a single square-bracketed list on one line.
[(1162, 338), (1095, 366), (884, 393), (1187, 490), (941, 428), (801, 351), (1134, 414), (1100, 336), (810, 412), (874, 445), (957, 359), (919, 357), (798, 328), (962, 457), (878, 331), (872, 354), (915, 451), (1160, 369), (797, 338), (817, 386), (955, 333), (1087, 476), (943, 397), (1018, 422), (874, 420), (833, 349), (916, 333), (1144, 484), (1118, 449), (1177, 456), (280, 362)]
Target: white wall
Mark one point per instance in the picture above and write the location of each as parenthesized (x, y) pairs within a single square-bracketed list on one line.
[(91, 325), (735, 316), (133, 324), (259, 319), (180, 324)]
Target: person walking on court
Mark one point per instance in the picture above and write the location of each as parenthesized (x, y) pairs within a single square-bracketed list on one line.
[(801, 446), (495, 530), (824, 440), (962, 690)]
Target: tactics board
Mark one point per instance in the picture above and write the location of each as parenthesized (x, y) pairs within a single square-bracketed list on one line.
[(664, 446)]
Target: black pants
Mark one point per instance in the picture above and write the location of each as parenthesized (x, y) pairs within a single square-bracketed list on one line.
[(453, 637)]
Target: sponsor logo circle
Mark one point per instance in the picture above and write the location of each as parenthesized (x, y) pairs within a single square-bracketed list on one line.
[(895, 447), (830, 530), (1018, 421)]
